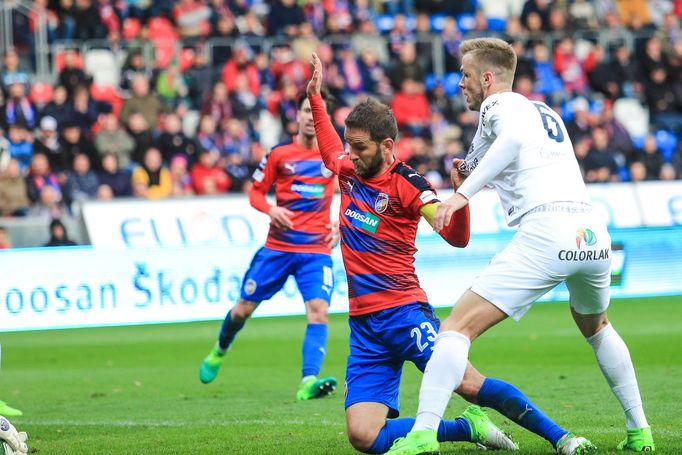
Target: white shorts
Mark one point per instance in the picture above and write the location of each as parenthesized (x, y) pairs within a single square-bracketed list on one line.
[(549, 248)]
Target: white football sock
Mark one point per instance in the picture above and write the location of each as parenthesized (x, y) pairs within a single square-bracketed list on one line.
[(614, 361), (443, 374)]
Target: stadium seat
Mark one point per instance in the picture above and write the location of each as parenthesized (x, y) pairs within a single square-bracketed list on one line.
[(497, 24), (102, 65), (59, 60), (190, 123), (451, 83), (465, 22), (437, 22), (186, 58), (384, 23), (131, 28), (41, 93), (165, 38), (108, 94), (666, 143), (633, 116), (430, 81)]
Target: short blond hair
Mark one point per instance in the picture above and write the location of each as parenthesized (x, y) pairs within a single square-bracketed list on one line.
[(492, 54)]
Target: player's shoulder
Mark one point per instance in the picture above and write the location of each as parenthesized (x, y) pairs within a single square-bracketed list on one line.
[(406, 175), (283, 146), (509, 103)]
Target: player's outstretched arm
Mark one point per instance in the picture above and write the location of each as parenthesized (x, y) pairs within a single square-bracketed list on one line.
[(456, 232), (15, 440), (328, 140)]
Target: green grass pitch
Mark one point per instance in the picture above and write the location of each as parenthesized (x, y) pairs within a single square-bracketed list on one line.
[(135, 390)]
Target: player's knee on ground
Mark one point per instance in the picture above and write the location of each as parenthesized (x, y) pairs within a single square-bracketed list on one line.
[(243, 310), (361, 437), (317, 311)]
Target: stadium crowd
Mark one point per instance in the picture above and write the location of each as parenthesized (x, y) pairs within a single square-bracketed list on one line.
[(220, 87)]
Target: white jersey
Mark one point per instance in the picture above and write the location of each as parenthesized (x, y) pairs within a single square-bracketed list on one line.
[(521, 149)]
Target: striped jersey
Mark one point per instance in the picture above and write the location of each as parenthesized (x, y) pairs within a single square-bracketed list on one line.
[(378, 221), (303, 185)]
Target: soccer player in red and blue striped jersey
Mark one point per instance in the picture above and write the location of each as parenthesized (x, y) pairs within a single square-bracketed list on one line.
[(391, 321), (299, 244)]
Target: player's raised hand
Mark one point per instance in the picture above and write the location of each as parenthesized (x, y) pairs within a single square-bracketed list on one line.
[(458, 173), (446, 209), (334, 236), (16, 441), (281, 217), (315, 83)]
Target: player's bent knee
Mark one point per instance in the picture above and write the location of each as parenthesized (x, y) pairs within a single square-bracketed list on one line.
[(318, 311), (361, 438), (244, 309)]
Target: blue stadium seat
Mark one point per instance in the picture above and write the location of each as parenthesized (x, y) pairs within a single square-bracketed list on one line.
[(638, 141), (666, 143), (384, 23), (624, 174), (437, 21), (497, 24), (451, 83), (430, 81), (465, 22)]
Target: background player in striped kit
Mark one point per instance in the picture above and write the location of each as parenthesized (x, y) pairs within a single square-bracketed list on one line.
[(299, 243)]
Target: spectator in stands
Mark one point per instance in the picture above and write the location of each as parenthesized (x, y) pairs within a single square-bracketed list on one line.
[(173, 142), (236, 139), (239, 172), (133, 66), (406, 67), (58, 235), (624, 71), (74, 143), (207, 176), (581, 147), (374, 78), (351, 72), (180, 178), (285, 67), (241, 62), (582, 15), (539, 7), (582, 122), (59, 108), (18, 108), (284, 18), (568, 67), (12, 73), (72, 74), (398, 36), (47, 141), (224, 28), (651, 158), (619, 137), (199, 76), (85, 110), (667, 172), (41, 176), (67, 21), (651, 59), (82, 182), (111, 137), (111, 174), (217, 104), (142, 136), (411, 107), (171, 87), (368, 38), (664, 106), (13, 193), (600, 162), (244, 104), (637, 171), (142, 101), (88, 21), (305, 43), (152, 180), (192, 18), (20, 145)]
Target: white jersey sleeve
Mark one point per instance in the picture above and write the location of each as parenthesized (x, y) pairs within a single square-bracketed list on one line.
[(521, 149)]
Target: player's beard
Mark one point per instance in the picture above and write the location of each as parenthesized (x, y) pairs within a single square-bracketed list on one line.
[(371, 169)]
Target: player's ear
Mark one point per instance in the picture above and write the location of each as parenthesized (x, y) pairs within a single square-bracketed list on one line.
[(387, 144)]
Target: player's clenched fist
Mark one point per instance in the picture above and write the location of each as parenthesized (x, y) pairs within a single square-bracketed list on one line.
[(14, 442), (446, 209)]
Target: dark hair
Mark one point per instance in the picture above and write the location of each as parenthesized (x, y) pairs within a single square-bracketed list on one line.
[(328, 98), (374, 117)]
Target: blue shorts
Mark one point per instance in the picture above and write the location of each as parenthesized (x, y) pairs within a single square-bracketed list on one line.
[(270, 269), (379, 345)]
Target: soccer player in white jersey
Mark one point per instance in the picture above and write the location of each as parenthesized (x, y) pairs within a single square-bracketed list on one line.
[(522, 150)]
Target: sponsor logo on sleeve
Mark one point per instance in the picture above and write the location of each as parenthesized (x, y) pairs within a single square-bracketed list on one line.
[(427, 196), (290, 168), (381, 203), (250, 286)]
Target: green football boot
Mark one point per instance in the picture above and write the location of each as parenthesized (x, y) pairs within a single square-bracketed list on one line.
[(8, 411), (570, 444), (316, 388), (638, 440), (211, 365), (484, 432), (422, 442)]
